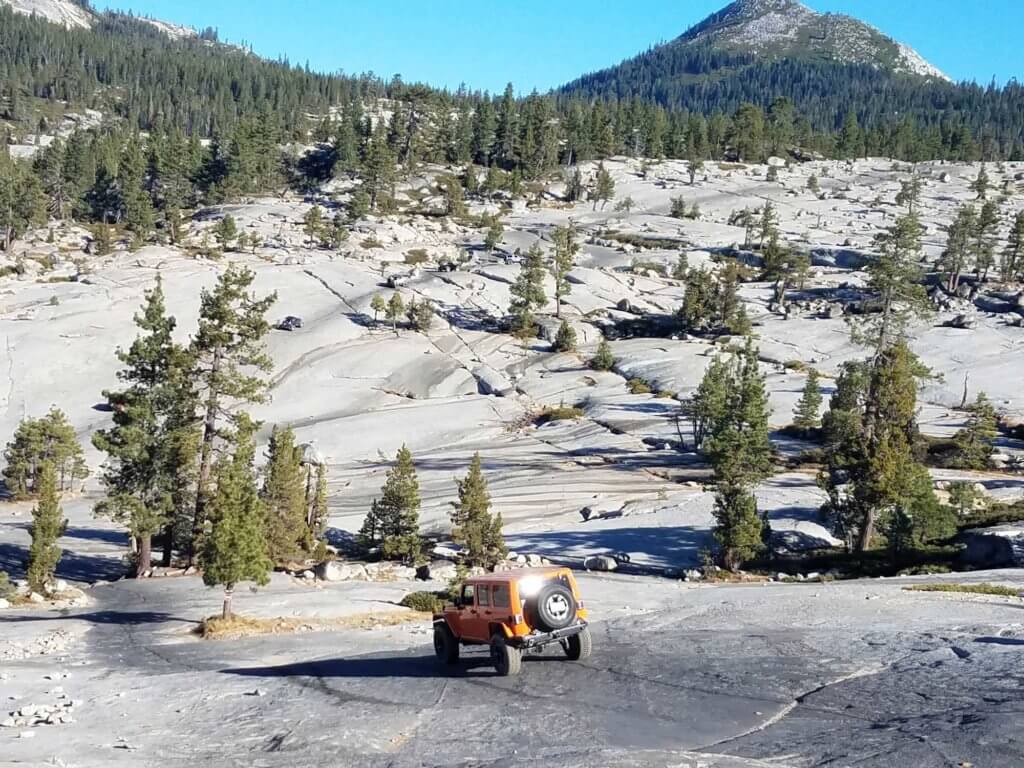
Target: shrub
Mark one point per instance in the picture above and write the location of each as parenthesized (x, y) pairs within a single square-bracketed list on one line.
[(416, 256), (6, 588), (638, 387), (424, 602), (371, 242), (969, 589), (560, 413)]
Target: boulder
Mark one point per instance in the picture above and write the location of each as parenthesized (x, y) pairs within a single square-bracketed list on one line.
[(492, 382), (390, 572), (776, 162), (335, 570), (534, 561), (4, 603), (35, 597), (962, 322), (1000, 546), (437, 570), (600, 563)]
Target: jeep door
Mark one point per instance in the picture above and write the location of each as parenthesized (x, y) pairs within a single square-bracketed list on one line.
[(472, 623)]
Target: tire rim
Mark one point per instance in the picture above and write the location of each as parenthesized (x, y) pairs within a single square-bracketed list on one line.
[(558, 607)]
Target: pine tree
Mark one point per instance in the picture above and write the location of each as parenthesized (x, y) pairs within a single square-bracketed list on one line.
[(36, 442), (813, 186), (394, 310), (527, 291), (910, 193), (603, 360), (313, 224), (784, 266), (318, 509), (768, 223), (603, 190), (229, 359), (806, 415), (974, 443), (565, 339), (895, 277), (143, 464), (420, 315), (495, 231), (957, 254), (566, 249), (682, 268), (235, 546), (474, 528), (378, 168), (981, 183), (1013, 255), (284, 499), (739, 529), (226, 230), (393, 521), (48, 525), (985, 235), (378, 305)]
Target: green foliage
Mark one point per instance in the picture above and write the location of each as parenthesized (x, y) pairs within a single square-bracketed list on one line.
[(283, 497), (424, 602), (964, 497), (378, 305), (682, 268), (806, 414), (234, 547), (677, 209), (603, 359), (229, 357), (495, 232), (739, 529), (997, 590), (474, 527), (638, 387), (603, 189), (48, 525), (420, 315), (527, 291), (559, 413), (394, 310), (7, 590), (393, 520), (565, 339), (974, 443), (152, 417), (564, 259), (37, 442)]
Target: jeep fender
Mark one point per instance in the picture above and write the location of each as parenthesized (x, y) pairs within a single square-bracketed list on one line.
[(501, 628)]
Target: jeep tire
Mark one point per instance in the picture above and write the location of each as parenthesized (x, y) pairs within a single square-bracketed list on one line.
[(446, 647), (579, 647), (507, 660), (555, 607)]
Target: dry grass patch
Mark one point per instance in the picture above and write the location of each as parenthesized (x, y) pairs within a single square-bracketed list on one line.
[(218, 628), (968, 589)]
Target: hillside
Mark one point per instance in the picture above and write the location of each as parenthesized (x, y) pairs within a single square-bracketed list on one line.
[(827, 64)]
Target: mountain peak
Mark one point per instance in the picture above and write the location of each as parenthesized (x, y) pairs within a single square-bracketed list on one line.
[(79, 14), (789, 29)]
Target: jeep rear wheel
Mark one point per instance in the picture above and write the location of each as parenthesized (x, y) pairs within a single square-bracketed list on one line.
[(506, 659), (446, 647), (556, 607), (579, 647)]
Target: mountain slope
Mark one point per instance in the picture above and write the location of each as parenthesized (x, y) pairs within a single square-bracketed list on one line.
[(758, 50), (79, 15), (787, 28)]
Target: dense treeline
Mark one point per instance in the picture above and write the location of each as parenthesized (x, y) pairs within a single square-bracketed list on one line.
[(704, 80)]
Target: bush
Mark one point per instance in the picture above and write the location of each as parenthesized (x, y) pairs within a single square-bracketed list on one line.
[(638, 387), (416, 256), (561, 413), (371, 242), (425, 602), (968, 589)]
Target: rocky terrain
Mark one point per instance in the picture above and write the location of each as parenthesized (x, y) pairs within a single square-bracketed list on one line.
[(793, 674)]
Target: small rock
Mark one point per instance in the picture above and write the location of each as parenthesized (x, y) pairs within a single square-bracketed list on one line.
[(600, 563), (35, 597), (257, 692), (27, 735), (4, 603), (10, 722)]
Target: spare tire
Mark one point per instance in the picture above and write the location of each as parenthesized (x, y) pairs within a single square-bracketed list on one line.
[(555, 607)]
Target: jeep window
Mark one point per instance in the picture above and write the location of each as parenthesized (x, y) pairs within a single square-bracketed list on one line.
[(483, 597), (467, 594), (501, 599)]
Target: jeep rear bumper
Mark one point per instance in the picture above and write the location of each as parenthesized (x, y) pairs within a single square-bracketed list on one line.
[(538, 639)]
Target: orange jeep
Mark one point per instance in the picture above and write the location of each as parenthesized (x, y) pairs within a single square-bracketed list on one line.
[(512, 612)]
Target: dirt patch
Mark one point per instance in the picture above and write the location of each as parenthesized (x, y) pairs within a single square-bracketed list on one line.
[(217, 628)]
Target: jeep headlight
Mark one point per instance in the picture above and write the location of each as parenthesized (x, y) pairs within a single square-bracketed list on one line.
[(530, 586)]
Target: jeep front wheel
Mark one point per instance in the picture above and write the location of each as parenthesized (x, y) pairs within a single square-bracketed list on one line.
[(506, 659), (446, 647), (579, 647)]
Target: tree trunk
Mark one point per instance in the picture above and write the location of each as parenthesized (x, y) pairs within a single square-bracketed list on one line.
[(867, 531), (226, 612), (144, 557), (168, 552)]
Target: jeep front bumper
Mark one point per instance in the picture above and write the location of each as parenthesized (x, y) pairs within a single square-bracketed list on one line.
[(538, 639)]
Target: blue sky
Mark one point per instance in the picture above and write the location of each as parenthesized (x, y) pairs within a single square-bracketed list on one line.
[(543, 43)]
